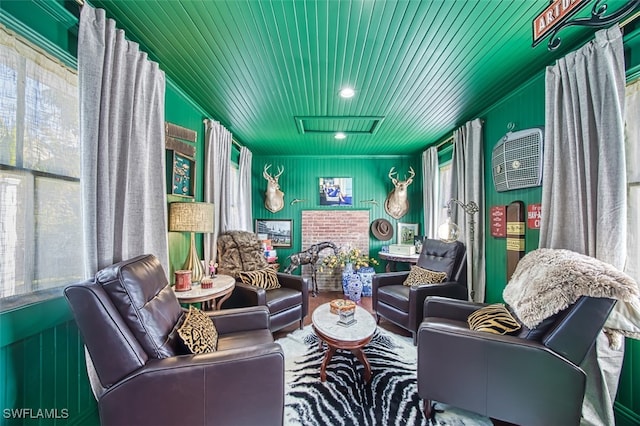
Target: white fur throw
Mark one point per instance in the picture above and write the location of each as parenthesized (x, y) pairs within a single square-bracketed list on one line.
[(546, 281)]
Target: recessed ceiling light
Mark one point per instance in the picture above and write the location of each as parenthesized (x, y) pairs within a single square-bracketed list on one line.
[(340, 135), (347, 92)]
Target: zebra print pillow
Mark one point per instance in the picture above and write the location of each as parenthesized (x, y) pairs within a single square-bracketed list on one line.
[(266, 278), (494, 319)]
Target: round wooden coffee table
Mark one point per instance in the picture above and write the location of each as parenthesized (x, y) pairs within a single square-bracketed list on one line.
[(336, 336)]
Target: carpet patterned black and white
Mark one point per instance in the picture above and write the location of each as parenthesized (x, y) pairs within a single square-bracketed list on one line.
[(391, 398)]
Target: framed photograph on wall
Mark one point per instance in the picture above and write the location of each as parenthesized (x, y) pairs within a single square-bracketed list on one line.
[(278, 231), (183, 174), (335, 191), (407, 233)]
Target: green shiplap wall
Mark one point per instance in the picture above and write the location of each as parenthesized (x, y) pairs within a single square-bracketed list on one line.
[(181, 111), (42, 367), (300, 180), (525, 109)]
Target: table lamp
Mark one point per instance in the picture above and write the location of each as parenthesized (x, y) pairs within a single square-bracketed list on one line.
[(192, 217), (449, 231)]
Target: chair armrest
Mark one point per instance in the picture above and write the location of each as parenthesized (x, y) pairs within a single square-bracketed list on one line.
[(418, 294), (495, 374), (295, 282), (444, 307), (240, 319), (201, 389), (388, 278), (250, 295)]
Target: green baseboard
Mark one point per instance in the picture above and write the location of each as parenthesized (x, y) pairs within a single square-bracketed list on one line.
[(624, 416)]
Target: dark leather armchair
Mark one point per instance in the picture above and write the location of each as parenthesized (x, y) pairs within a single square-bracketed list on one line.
[(128, 317), (287, 305), (532, 378), (242, 251), (402, 304)]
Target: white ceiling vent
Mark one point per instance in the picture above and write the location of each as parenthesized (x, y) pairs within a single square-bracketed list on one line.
[(517, 160)]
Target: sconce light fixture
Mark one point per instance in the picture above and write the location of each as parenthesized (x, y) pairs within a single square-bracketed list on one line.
[(192, 217), (449, 231)]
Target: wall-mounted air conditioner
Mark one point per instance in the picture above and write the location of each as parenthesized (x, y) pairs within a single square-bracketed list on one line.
[(517, 160)]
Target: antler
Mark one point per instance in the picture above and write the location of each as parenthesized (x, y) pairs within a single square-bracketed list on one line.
[(412, 173), (391, 173), (265, 172), (280, 170)]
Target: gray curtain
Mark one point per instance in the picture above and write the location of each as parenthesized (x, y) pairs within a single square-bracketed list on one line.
[(244, 196), (467, 181), (123, 147), (584, 182), (431, 192), (217, 182)]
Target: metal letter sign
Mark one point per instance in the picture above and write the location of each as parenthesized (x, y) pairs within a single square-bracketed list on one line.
[(557, 12), (556, 17)]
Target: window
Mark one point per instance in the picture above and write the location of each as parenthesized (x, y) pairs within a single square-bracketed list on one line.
[(41, 244), (234, 177), (633, 173), (445, 190)]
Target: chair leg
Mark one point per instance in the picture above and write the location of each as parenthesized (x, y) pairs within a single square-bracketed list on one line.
[(428, 408), (301, 324), (415, 338)]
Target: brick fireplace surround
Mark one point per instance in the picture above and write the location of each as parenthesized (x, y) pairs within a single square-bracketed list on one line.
[(345, 228)]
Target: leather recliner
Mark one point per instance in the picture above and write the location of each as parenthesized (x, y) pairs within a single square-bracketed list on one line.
[(287, 305), (242, 251), (128, 317), (531, 378), (401, 304)]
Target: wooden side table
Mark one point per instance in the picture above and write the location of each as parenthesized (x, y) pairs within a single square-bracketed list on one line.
[(352, 338), (212, 298), (393, 259)]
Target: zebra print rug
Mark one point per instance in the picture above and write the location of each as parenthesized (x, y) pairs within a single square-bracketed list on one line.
[(391, 398)]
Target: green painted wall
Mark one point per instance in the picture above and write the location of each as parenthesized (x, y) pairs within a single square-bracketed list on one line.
[(41, 353), (370, 182), (525, 109)]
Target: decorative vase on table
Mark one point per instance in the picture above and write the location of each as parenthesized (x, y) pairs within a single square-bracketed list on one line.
[(346, 273), (366, 274), (355, 288)]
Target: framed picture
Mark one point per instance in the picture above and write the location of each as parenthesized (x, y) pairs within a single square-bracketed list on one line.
[(407, 233), (278, 231), (180, 160), (335, 191), (183, 174)]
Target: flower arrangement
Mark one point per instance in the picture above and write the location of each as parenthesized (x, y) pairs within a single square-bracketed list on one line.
[(348, 255)]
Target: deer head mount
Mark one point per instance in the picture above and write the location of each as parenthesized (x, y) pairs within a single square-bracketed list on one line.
[(396, 204), (273, 197)]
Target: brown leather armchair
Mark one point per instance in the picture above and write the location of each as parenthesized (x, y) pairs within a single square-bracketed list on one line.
[(402, 304), (532, 378), (128, 317)]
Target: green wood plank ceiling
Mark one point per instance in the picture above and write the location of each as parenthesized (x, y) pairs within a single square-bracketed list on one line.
[(270, 71)]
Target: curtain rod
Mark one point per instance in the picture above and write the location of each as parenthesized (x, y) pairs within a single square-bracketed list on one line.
[(235, 142), (630, 19), (444, 142)]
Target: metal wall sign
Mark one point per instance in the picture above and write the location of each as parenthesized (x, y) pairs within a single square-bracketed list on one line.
[(557, 16), (554, 15)]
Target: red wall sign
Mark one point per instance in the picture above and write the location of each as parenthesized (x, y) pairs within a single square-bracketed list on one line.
[(534, 214), (498, 217)]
